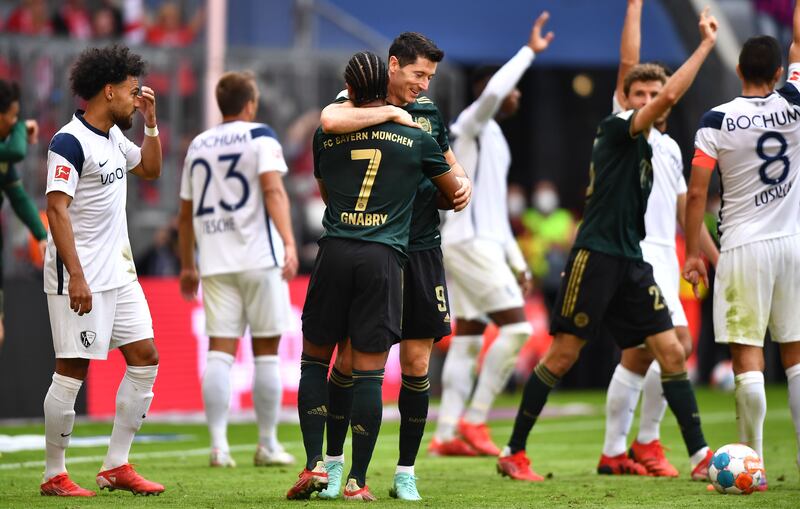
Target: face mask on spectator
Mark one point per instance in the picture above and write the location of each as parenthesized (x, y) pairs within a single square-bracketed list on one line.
[(545, 201), (516, 204)]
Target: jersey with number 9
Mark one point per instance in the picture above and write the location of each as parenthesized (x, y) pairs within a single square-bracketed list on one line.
[(755, 142)]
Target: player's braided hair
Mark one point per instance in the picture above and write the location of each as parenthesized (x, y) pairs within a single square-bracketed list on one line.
[(97, 67), (367, 76)]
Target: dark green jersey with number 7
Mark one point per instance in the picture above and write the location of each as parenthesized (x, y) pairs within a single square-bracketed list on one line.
[(371, 177)]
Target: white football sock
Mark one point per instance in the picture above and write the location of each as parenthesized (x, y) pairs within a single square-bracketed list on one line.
[(59, 417), (621, 399), (404, 470), (267, 395), (654, 404), (697, 457), (458, 376), (751, 409), (217, 397), (793, 380), (134, 396), (498, 364)]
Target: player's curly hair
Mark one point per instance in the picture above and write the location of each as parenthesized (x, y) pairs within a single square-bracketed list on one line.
[(9, 92), (97, 67), (367, 76), (643, 72), (409, 46)]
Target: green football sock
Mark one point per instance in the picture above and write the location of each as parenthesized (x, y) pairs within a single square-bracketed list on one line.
[(537, 388), (340, 404), (312, 406), (680, 398), (365, 421), (413, 402)]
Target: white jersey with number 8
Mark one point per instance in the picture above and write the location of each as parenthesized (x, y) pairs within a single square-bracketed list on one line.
[(756, 143)]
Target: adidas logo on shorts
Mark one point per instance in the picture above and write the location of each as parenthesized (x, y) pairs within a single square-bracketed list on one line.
[(320, 410), (359, 430)]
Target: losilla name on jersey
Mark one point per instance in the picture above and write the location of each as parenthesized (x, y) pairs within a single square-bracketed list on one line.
[(773, 193), (363, 219)]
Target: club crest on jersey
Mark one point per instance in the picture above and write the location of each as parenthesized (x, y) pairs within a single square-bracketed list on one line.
[(424, 123), (87, 338), (62, 173)]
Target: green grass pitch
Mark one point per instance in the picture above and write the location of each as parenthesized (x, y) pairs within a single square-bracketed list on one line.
[(566, 449)]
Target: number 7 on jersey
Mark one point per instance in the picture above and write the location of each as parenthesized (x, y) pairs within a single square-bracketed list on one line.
[(374, 157)]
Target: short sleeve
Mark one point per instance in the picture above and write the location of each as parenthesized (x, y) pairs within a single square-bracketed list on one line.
[(791, 89), (433, 161), (186, 179), (442, 139), (269, 152), (133, 154), (707, 137), (64, 164)]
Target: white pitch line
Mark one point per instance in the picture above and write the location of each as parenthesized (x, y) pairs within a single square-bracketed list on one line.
[(548, 426)]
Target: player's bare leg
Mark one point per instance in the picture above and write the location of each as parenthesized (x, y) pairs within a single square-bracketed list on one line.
[(134, 396), (560, 357), (681, 399), (267, 396)]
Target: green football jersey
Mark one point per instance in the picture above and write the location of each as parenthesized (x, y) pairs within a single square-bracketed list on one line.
[(620, 180), (425, 216), (371, 177)]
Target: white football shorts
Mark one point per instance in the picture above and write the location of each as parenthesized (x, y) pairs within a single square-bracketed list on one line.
[(259, 298), (758, 286), (118, 317), (667, 273), (479, 279)]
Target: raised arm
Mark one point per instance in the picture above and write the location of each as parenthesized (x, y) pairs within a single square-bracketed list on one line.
[(485, 107), (794, 49), (629, 45), (678, 83), (150, 167), (344, 117)]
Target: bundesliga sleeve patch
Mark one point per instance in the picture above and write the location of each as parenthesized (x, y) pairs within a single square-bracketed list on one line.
[(795, 76), (62, 173)]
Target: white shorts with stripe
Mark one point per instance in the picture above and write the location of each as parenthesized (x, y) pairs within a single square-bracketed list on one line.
[(118, 317), (479, 279), (258, 297), (758, 286)]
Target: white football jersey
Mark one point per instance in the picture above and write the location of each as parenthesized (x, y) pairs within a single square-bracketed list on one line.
[(660, 219), (92, 167), (756, 144), (221, 177)]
